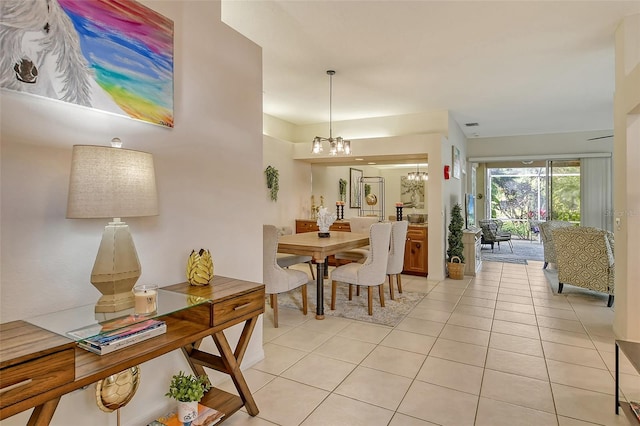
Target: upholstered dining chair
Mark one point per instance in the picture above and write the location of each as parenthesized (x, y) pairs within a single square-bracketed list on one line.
[(286, 260), (546, 234), (359, 225), (372, 272), (395, 263), (276, 279)]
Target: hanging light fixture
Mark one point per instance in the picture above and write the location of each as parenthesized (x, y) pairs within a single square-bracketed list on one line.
[(418, 175), (336, 145)]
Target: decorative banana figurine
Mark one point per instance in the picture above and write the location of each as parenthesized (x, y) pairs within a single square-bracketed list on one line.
[(200, 267)]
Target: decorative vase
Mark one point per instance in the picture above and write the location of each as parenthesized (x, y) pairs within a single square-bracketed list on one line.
[(187, 411), (199, 267)]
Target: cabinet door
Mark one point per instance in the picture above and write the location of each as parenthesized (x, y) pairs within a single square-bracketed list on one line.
[(415, 253)]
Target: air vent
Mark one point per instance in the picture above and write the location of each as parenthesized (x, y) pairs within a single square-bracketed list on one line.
[(470, 124)]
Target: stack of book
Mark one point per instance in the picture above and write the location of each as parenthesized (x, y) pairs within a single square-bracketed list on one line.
[(206, 417), (118, 338)]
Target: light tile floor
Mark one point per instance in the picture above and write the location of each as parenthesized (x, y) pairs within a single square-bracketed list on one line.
[(498, 349)]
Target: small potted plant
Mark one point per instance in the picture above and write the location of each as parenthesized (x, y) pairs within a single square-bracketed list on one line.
[(188, 390)]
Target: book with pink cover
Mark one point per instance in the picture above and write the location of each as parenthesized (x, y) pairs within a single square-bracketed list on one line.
[(206, 417)]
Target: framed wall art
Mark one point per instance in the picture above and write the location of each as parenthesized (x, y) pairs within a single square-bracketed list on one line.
[(354, 188), (111, 55), (455, 161)]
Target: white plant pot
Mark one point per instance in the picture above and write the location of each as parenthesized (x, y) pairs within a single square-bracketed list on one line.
[(187, 411)]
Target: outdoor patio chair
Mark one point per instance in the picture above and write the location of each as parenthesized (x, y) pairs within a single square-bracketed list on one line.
[(492, 233)]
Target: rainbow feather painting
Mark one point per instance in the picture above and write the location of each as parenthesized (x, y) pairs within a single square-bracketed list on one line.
[(112, 55)]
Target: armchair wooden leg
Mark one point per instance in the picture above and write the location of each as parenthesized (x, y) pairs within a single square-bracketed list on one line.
[(370, 299), (350, 292), (357, 291), (391, 287), (333, 294), (399, 281), (560, 286), (545, 265), (381, 291), (610, 302), (274, 306), (304, 299)]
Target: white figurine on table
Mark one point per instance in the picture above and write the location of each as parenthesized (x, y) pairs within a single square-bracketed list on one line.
[(325, 220)]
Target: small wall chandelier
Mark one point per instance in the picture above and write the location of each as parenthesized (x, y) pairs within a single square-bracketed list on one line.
[(336, 145), (418, 175)]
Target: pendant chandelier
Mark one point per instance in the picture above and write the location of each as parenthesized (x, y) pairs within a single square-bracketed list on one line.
[(418, 175), (336, 145)]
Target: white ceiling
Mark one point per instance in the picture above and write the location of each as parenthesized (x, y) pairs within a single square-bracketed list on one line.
[(515, 67)]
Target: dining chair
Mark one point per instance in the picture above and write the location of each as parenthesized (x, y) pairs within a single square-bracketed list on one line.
[(371, 273), (360, 225), (286, 260), (276, 279), (395, 264)]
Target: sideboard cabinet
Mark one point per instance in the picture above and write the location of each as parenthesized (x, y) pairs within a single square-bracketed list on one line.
[(471, 239), (416, 252), (308, 225)]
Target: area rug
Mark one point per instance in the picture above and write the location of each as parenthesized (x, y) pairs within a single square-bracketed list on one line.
[(356, 309), (504, 258)]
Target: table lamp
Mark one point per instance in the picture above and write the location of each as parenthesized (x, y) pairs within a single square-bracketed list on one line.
[(111, 182)]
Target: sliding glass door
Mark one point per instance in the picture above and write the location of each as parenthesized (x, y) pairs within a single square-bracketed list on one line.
[(563, 189)]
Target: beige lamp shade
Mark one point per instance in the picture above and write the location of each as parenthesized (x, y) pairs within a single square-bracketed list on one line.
[(113, 183), (110, 182)]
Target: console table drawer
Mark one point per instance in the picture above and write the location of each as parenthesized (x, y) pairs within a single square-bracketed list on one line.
[(237, 307), (33, 377)]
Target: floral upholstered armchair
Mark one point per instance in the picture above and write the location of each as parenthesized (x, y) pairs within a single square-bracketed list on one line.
[(585, 258), (546, 229)]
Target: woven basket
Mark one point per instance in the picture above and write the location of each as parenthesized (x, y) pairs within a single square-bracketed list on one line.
[(456, 269)]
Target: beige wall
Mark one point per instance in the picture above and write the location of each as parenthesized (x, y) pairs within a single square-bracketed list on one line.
[(209, 176), (626, 176)]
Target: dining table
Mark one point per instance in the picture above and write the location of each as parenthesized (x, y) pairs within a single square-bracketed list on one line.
[(319, 248)]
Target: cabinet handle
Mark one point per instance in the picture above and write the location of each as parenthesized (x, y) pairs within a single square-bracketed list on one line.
[(418, 245), (242, 306)]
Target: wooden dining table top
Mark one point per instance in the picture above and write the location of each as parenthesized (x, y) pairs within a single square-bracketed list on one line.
[(310, 244)]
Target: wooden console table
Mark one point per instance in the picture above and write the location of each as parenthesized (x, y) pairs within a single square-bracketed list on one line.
[(38, 367)]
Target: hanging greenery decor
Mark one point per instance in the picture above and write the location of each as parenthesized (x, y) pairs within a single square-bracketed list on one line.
[(343, 189), (272, 181)]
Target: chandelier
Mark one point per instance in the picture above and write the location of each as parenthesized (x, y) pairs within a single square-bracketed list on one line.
[(336, 145), (418, 175)]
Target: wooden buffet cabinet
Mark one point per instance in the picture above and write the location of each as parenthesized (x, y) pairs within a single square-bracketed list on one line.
[(416, 251), (38, 366)]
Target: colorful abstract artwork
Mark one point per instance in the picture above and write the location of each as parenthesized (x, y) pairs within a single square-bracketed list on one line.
[(112, 55)]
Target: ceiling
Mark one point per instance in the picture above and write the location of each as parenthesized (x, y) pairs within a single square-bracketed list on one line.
[(514, 67)]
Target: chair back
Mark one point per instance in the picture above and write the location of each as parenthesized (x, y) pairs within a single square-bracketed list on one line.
[(489, 230), (374, 269), (361, 224), (395, 262), (273, 276), (546, 234), (585, 257)]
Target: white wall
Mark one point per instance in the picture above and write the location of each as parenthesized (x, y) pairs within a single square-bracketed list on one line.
[(294, 181), (545, 144), (209, 176)]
